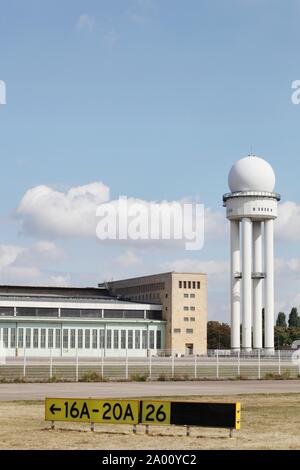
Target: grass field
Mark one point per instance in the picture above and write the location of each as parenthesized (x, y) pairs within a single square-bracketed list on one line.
[(268, 422)]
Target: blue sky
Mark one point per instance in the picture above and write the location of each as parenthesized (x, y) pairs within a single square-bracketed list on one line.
[(156, 99)]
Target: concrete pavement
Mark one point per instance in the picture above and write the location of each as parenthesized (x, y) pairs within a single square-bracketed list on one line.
[(38, 391)]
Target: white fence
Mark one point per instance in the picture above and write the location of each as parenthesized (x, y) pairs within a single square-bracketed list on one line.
[(214, 366)]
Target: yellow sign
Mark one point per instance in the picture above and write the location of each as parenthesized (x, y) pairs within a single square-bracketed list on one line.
[(156, 412), (92, 410), (238, 416)]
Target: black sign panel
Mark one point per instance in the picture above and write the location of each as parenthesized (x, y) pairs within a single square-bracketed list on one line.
[(214, 415)]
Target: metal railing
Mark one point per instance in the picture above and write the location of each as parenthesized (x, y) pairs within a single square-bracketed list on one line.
[(214, 366)]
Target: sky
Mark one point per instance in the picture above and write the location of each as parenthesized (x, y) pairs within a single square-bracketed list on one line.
[(149, 99)]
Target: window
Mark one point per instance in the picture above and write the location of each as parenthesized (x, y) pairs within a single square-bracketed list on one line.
[(137, 339), (58, 339), (130, 339), (35, 338), (158, 339), (151, 339), (198, 284), (102, 338), (6, 311), (144, 340), (185, 308), (94, 339), (43, 338), (12, 337), (194, 285), (20, 337), (80, 339), (186, 319), (116, 339), (192, 319), (5, 337), (184, 284), (189, 284), (192, 296), (50, 338), (177, 330), (180, 284), (72, 339), (65, 339), (87, 339), (108, 339), (28, 337), (189, 330), (186, 296), (123, 339), (192, 309)]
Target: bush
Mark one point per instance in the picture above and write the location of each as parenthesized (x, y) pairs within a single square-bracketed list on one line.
[(91, 377), (162, 378), (139, 377)]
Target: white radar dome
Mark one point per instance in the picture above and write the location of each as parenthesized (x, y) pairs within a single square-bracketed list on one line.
[(251, 174)]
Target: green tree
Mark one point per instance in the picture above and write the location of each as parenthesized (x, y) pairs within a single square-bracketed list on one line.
[(281, 337), (281, 320), (218, 335), (294, 319)]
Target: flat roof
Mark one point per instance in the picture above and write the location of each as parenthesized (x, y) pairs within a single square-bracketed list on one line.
[(102, 284)]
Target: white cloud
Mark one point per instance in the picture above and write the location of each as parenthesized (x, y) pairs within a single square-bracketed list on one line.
[(46, 211), (85, 22), (129, 259), (287, 226), (24, 265), (141, 11), (111, 38)]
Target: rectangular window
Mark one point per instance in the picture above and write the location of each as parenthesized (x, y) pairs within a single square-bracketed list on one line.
[(35, 338), (198, 284), (50, 338), (180, 284), (130, 339), (151, 339), (144, 339), (116, 339), (43, 338), (192, 296), (123, 339), (102, 339), (177, 330), (87, 339), (80, 339), (5, 337), (186, 296), (185, 308), (20, 337), (194, 284), (158, 339), (28, 337), (95, 339), (137, 337), (58, 339), (12, 337), (190, 284), (186, 319), (184, 284), (65, 339), (192, 309), (108, 339), (72, 339), (192, 319), (7, 311), (189, 331)]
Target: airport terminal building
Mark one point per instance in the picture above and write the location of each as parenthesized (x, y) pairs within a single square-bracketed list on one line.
[(91, 322)]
